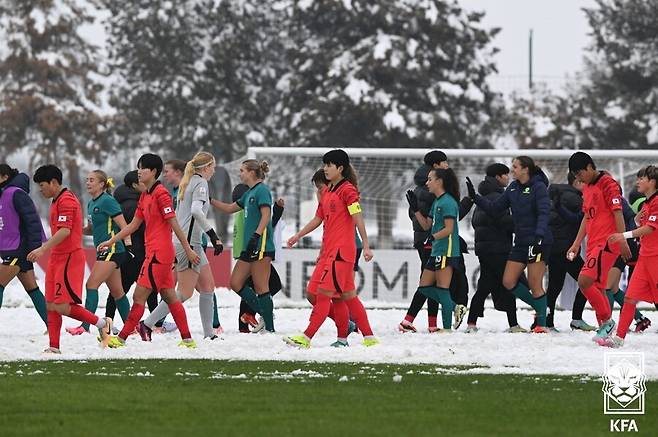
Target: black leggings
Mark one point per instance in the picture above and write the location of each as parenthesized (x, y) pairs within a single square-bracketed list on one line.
[(492, 268), (558, 267)]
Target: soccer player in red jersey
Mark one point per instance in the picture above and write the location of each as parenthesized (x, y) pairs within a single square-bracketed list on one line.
[(644, 282), (339, 210), (156, 210), (66, 265), (602, 207)]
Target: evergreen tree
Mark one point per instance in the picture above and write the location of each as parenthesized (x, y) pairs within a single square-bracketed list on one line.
[(50, 84)]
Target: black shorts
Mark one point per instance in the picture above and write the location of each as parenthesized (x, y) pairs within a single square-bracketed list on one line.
[(356, 260), (246, 258), (436, 263), (21, 261), (117, 258), (521, 254)]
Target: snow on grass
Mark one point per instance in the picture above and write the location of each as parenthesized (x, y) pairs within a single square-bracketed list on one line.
[(488, 351)]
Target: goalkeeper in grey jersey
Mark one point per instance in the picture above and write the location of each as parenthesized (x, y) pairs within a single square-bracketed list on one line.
[(193, 206)]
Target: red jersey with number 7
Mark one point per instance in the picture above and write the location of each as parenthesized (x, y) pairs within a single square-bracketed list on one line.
[(155, 207), (66, 212), (337, 205), (600, 199), (649, 217)]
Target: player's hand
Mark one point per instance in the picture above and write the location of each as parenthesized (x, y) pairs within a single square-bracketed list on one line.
[(35, 254), (104, 246), (252, 245), (218, 246), (625, 250), (193, 257), (367, 254), (470, 188), (412, 200), (280, 202), (573, 252), (615, 238), (292, 241)]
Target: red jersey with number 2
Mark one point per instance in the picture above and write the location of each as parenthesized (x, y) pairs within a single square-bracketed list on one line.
[(338, 233), (66, 212), (155, 207), (600, 200)]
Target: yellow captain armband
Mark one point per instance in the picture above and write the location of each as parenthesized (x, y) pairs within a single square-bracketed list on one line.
[(354, 208)]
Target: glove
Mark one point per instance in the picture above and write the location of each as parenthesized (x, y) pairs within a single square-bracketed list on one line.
[(413, 201), (252, 245), (470, 188), (214, 240)]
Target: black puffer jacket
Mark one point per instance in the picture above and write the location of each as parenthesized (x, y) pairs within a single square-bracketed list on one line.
[(493, 233), (425, 199), (563, 227), (128, 199)]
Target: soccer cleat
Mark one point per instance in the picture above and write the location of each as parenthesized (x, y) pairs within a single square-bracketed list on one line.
[(553, 330), (78, 330), (470, 329), (105, 332), (144, 331), (516, 329), (339, 343), (581, 325), (605, 330), (612, 341), (218, 330), (406, 326), (249, 319), (459, 312), (115, 330), (260, 326), (188, 343), (642, 324), (116, 342), (441, 331), (433, 329), (212, 337), (541, 330), (370, 341), (298, 340), (168, 327), (52, 350)]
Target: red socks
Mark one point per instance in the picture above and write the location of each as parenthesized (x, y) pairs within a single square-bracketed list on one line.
[(599, 302), (625, 319), (341, 317), (54, 328), (178, 313), (358, 313), (79, 312), (319, 314), (135, 315), (431, 321), (409, 318)]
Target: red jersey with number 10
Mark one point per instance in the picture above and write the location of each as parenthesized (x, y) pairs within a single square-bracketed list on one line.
[(338, 235), (66, 212), (155, 207), (649, 243), (600, 200)]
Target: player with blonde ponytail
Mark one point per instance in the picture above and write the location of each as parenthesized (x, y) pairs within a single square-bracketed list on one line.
[(193, 206)]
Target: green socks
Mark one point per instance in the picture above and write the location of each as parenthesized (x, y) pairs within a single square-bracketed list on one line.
[(249, 295), (442, 296), (39, 302), (619, 297), (123, 306), (215, 313), (523, 292), (540, 304), (91, 303), (267, 310)]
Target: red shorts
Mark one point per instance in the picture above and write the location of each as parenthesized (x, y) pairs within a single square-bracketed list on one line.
[(156, 275), (315, 281), (598, 263), (644, 282), (64, 277)]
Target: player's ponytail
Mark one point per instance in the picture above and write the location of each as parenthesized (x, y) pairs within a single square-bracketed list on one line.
[(349, 173), (108, 183), (450, 182), (199, 161)]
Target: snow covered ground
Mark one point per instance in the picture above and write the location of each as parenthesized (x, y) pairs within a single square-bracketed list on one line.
[(490, 350)]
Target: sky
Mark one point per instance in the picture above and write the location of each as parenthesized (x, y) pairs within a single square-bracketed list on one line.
[(560, 36)]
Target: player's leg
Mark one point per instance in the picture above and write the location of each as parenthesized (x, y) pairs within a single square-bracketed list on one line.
[(442, 279), (241, 271), (29, 282), (100, 272), (117, 293), (205, 285), (260, 273), (178, 313), (8, 271)]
